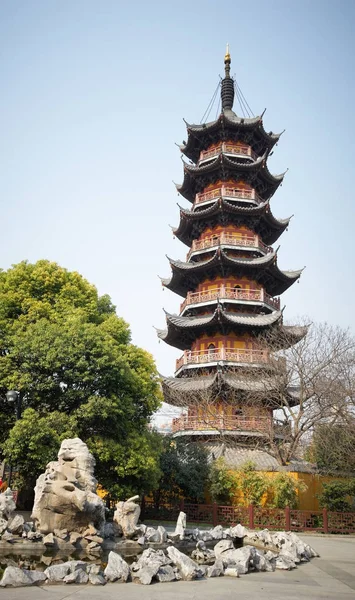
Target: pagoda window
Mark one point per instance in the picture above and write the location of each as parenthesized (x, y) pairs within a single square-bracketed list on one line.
[(238, 412), (211, 348)]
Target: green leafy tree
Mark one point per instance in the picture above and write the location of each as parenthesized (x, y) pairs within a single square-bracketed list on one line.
[(223, 482), (285, 490), (66, 351), (185, 471), (252, 484), (338, 495), (333, 447)]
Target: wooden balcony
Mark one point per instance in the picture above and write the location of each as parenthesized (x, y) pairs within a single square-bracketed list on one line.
[(260, 425), (229, 239), (240, 356), (234, 193), (233, 149), (224, 293), (222, 423)]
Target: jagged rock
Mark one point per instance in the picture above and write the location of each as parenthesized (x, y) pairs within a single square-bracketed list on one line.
[(204, 535), (93, 547), (141, 540), (144, 575), (181, 525), (173, 537), (238, 531), (65, 495), (203, 555), (79, 576), (74, 537), (223, 546), (187, 567), (163, 534), (7, 504), (48, 540), (15, 524), (94, 569), (260, 563), (216, 569), (117, 569), (16, 577), (46, 560), (231, 572), (110, 531), (126, 516), (3, 525), (95, 538), (62, 534), (56, 573), (240, 558), (148, 565), (34, 536), (97, 579), (217, 533), (91, 530), (28, 526), (152, 535), (281, 562), (304, 551), (8, 537), (166, 573)]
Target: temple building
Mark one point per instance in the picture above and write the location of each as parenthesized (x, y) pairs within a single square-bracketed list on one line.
[(230, 322)]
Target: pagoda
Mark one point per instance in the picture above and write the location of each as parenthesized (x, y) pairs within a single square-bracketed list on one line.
[(230, 323)]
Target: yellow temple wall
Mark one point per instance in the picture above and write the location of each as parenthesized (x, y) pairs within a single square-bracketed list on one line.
[(228, 282), (230, 341)]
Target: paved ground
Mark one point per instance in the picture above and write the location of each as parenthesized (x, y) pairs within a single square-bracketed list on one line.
[(332, 576)]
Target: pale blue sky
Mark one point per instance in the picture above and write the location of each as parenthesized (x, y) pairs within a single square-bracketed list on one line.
[(92, 100)]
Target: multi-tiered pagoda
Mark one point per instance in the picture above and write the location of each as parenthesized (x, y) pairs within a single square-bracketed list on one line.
[(230, 322)]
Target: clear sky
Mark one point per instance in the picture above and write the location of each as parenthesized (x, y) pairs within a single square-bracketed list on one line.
[(92, 100)]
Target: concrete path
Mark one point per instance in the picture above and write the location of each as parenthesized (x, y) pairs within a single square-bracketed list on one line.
[(332, 576)]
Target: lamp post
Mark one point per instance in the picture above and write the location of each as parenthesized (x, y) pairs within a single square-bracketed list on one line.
[(14, 396)]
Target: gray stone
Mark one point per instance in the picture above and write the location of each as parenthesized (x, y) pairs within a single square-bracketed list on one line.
[(174, 537), (94, 569), (93, 547), (181, 525), (205, 536), (79, 576), (126, 516), (65, 495), (94, 538), (223, 546), (15, 524), (34, 536), (48, 540), (62, 534), (215, 570), (217, 533), (187, 567), (46, 560), (144, 575), (238, 531), (281, 562), (57, 573), (117, 569), (163, 534), (260, 562), (231, 572), (203, 556), (152, 535), (16, 577), (74, 537), (7, 504), (240, 558), (8, 537), (110, 531), (97, 579), (166, 573), (3, 525), (141, 540)]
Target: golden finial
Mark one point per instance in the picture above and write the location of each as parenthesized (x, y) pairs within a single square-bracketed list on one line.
[(227, 55)]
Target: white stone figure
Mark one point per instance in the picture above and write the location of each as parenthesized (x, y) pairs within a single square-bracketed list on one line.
[(65, 495), (126, 516)]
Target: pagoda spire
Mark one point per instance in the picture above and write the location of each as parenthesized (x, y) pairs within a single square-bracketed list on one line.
[(227, 88)]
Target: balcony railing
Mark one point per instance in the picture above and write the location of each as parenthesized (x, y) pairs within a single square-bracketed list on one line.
[(236, 423), (228, 148), (228, 192), (231, 239), (225, 293), (240, 355)]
